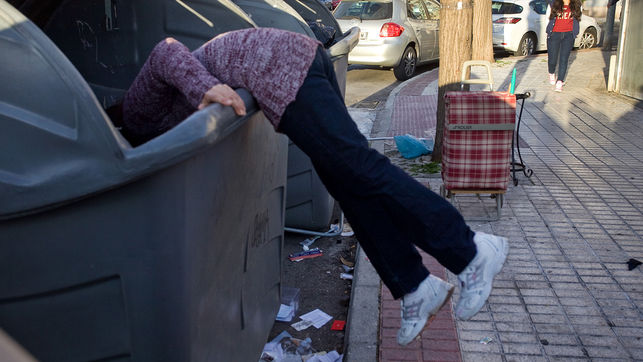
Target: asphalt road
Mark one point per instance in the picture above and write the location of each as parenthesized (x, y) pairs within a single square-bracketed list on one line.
[(368, 87)]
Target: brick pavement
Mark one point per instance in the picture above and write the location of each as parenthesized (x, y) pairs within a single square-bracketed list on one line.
[(565, 292)]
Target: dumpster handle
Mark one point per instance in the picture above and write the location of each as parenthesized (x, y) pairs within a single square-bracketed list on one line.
[(201, 129), (344, 46)]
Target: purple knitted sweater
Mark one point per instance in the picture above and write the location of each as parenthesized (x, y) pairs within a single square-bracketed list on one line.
[(270, 63)]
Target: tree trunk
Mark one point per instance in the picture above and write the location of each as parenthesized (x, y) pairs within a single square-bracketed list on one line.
[(455, 48), (481, 44)]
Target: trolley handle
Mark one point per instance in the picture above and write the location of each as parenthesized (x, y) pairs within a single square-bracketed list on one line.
[(470, 63), (523, 95)]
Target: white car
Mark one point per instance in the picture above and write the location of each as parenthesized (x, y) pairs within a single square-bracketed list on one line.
[(519, 27)]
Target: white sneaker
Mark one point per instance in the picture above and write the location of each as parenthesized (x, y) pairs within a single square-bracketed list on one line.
[(421, 304), (559, 86), (477, 278), (552, 79)]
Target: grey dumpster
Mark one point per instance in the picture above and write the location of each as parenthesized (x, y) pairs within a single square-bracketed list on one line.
[(308, 203), (169, 251)]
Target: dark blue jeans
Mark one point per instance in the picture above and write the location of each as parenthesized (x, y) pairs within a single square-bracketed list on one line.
[(559, 46), (389, 211)]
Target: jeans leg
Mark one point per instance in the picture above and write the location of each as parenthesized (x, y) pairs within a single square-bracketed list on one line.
[(553, 48), (566, 45), (389, 210)]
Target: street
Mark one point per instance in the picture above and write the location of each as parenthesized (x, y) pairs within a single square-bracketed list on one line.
[(368, 87)]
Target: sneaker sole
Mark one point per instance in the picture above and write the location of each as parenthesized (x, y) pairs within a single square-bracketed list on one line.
[(431, 317)]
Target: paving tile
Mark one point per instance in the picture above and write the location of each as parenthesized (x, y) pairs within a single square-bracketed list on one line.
[(606, 352), (513, 327), (466, 335), (523, 348), (511, 317), (524, 358), (517, 337), (590, 321), (475, 326), (564, 351), (627, 331), (545, 309), (440, 346), (557, 339), (440, 356), (394, 354), (607, 341), (622, 320), (568, 359), (476, 346), (481, 357), (595, 330), (562, 328), (509, 308)]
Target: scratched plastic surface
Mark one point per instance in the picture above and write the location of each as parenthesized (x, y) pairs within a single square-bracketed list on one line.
[(169, 251)]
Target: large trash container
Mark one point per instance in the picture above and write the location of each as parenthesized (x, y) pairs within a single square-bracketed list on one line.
[(308, 203), (169, 251)]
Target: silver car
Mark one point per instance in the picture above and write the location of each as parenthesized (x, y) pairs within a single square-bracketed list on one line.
[(398, 34)]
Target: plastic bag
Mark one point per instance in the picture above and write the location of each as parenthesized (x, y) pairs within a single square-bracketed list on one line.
[(411, 147)]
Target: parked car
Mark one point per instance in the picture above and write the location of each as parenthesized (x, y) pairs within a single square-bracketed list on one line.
[(398, 34), (519, 27)]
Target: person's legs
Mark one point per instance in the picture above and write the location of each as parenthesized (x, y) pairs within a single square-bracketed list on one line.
[(390, 211), (377, 197), (553, 49), (566, 45), (358, 177)]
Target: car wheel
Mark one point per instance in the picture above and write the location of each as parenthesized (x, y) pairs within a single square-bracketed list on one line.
[(527, 45), (406, 68), (588, 40)]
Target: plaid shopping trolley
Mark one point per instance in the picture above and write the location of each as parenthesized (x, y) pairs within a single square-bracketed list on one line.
[(477, 143)]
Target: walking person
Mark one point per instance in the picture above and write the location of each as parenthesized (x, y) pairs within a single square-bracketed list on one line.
[(562, 29), (294, 83)]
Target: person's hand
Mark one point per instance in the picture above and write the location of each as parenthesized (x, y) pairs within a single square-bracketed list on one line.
[(223, 94)]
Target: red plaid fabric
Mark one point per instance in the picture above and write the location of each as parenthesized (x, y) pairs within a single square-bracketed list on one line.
[(477, 159)]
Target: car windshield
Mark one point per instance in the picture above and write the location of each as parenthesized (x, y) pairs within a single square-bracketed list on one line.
[(364, 10), (499, 7)]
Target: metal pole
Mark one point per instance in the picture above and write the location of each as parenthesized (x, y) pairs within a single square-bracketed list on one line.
[(609, 25)]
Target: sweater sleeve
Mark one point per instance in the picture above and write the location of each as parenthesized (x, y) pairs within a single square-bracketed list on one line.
[(174, 64)]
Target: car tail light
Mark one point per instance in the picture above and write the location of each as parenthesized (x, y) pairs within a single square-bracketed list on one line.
[(507, 21), (390, 30)]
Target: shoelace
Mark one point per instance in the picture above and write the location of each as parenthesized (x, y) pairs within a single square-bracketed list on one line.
[(470, 285), (412, 310)]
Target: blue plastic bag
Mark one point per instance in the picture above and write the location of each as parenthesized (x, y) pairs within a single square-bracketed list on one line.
[(411, 147)]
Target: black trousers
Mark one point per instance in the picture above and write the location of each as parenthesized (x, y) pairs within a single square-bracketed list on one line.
[(389, 211)]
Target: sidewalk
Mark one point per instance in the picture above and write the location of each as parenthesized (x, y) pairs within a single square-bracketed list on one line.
[(565, 292)]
